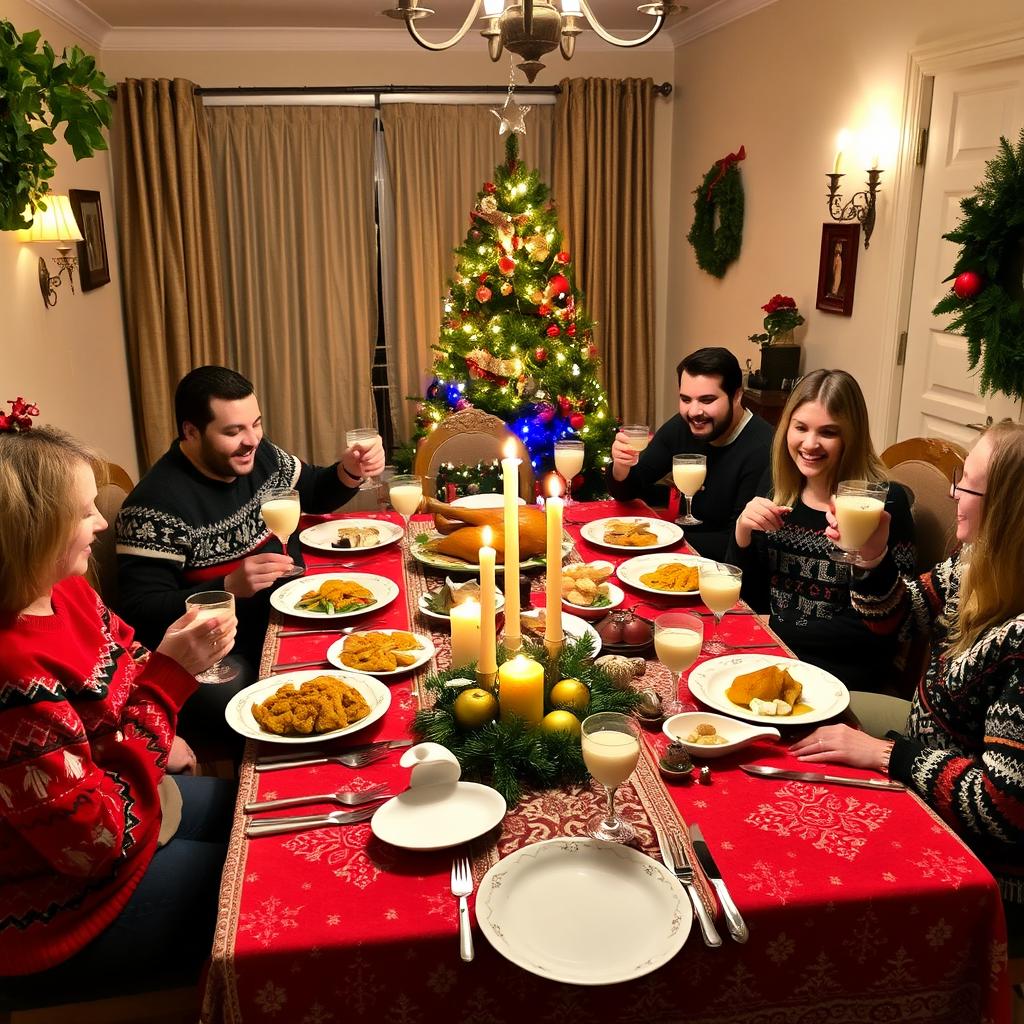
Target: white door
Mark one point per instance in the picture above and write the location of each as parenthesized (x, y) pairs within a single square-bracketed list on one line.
[(971, 109)]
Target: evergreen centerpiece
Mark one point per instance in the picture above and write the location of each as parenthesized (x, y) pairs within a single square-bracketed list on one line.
[(515, 340), (781, 318)]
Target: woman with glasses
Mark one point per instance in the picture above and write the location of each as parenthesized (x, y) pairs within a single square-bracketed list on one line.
[(963, 747)]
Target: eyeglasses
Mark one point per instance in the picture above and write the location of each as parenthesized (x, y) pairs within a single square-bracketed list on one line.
[(958, 475)]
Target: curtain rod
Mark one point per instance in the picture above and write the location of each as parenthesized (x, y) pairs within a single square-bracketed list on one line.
[(664, 89)]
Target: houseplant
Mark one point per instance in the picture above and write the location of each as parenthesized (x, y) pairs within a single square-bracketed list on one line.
[(39, 92), (780, 356)]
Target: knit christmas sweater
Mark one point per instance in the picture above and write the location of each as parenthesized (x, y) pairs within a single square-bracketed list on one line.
[(963, 748), (86, 721), (789, 573), (180, 532)]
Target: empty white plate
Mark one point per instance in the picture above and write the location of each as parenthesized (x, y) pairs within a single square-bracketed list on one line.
[(436, 817)]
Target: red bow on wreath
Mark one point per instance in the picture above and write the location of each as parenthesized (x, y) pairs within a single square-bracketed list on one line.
[(20, 417), (723, 165)]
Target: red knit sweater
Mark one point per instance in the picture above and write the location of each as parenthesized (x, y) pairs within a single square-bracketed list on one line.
[(84, 735)]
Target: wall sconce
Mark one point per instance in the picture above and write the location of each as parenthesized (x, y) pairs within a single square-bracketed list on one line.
[(54, 224), (860, 206)]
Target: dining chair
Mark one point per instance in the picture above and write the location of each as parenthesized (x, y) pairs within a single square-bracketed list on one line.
[(171, 1006), (113, 485), (879, 713), (465, 438)]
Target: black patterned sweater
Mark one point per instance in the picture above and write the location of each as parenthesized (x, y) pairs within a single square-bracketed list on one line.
[(180, 532), (790, 574), (963, 748)]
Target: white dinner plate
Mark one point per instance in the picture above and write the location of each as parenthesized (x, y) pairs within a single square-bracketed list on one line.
[(482, 501), (449, 563), (429, 613), (436, 817), (422, 656), (616, 596), (667, 533), (631, 570), (574, 627), (239, 716), (583, 912), (284, 598), (826, 695), (322, 536)]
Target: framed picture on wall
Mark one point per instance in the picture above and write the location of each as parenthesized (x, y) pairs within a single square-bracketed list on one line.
[(837, 267), (93, 269)]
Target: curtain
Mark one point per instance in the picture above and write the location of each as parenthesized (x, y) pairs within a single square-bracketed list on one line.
[(295, 220), (170, 261), (438, 159), (603, 152)]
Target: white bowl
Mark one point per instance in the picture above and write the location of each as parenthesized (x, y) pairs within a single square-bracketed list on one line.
[(736, 734), (616, 596)]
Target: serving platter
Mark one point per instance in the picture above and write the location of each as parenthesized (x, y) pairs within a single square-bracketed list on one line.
[(433, 559)]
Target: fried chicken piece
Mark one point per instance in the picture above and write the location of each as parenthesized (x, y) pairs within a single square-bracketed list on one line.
[(319, 705), (765, 684), (380, 652)]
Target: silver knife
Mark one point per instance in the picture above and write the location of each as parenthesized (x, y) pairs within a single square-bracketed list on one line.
[(733, 919), (309, 755), (771, 772)]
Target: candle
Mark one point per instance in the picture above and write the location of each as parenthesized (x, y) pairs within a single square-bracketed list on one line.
[(553, 617), (841, 140), (839, 160), (510, 490), (521, 689), (487, 665), (465, 619)]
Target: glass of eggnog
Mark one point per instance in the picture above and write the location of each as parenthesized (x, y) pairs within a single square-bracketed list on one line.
[(677, 641), (859, 505), (611, 749), (406, 492), (688, 472), (719, 589), (280, 509)]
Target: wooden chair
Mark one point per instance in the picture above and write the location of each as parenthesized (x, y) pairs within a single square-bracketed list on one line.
[(114, 485), (464, 439)]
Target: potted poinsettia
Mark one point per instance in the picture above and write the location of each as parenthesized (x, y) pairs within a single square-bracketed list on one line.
[(780, 355)]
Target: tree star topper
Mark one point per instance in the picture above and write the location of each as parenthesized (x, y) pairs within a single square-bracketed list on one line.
[(511, 117)]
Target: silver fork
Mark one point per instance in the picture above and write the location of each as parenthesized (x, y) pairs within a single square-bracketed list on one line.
[(353, 759), (277, 826), (673, 853), (462, 886), (346, 798)]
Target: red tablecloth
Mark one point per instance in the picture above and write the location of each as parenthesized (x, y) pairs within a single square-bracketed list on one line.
[(862, 905)]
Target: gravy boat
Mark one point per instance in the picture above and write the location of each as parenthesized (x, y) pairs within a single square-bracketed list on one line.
[(736, 734)]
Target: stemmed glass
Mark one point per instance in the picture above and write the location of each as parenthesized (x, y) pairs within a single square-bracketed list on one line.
[(406, 493), (859, 505), (677, 641), (611, 749), (688, 472), (280, 511), (363, 438), (210, 604), (568, 463), (719, 589), (638, 435)]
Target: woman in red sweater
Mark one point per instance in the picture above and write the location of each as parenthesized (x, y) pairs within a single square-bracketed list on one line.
[(93, 903)]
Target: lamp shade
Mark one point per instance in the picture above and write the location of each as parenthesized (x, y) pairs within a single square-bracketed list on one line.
[(54, 224)]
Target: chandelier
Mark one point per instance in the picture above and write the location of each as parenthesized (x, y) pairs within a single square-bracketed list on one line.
[(531, 28)]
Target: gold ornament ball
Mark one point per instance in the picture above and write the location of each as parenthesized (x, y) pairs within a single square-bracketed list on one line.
[(474, 708), (571, 695), (561, 721)]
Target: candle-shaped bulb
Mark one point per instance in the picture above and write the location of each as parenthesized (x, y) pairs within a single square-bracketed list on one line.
[(488, 535)]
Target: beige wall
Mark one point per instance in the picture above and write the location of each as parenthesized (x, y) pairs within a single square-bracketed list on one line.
[(70, 358), (784, 81)]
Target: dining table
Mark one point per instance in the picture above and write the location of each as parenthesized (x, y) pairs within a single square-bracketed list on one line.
[(862, 905)]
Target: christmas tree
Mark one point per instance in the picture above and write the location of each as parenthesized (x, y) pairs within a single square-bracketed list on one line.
[(515, 340)]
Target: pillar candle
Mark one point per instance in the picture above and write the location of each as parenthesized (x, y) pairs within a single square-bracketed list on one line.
[(521, 689), (510, 490), (465, 620), (487, 665), (553, 616)]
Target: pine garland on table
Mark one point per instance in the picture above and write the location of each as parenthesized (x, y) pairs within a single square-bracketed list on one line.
[(511, 755), (721, 194)]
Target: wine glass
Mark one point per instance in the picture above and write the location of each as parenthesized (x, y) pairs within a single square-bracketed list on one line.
[(406, 492), (719, 589), (611, 749), (688, 472), (210, 604), (568, 463), (363, 438), (280, 510), (638, 435), (859, 505), (677, 641)]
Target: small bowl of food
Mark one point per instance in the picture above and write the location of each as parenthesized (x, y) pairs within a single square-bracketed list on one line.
[(586, 590), (705, 735)]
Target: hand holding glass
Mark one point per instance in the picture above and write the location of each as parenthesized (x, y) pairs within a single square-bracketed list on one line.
[(611, 749), (212, 603), (406, 493), (859, 505), (280, 511), (363, 438), (638, 435), (677, 641), (688, 472), (719, 589)]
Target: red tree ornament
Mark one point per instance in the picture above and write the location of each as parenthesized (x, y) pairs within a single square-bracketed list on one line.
[(506, 265), (490, 188), (559, 284), (553, 331), (571, 330), (577, 421), (563, 257), (483, 293), (967, 285), (482, 279), (540, 355), (543, 310)]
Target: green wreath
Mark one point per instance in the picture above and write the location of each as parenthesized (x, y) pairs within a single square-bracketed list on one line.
[(991, 239), (720, 196)]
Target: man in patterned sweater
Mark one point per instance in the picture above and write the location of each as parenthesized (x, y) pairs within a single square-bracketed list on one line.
[(193, 522)]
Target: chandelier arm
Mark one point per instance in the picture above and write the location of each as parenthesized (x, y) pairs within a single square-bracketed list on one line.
[(448, 43), (615, 40)]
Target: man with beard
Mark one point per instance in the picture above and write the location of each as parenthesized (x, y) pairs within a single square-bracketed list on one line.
[(711, 422), (193, 522)]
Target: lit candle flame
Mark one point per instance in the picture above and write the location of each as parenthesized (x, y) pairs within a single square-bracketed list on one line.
[(509, 451), (488, 536), (554, 488)]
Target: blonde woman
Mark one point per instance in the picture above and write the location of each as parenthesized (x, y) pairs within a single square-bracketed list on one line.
[(963, 747), (822, 438), (87, 726)]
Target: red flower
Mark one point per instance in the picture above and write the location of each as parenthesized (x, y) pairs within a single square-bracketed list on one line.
[(506, 265), (779, 302), (20, 416), (553, 331)]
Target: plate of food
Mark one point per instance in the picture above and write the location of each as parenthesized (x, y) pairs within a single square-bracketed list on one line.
[(351, 535), (423, 549), (438, 604), (707, 735), (586, 590), (664, 574), (334, 595), (625, 533), (380, 652), (769, 690), (533, 621), (307, 707)]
